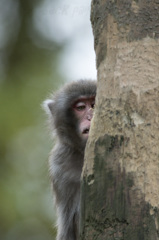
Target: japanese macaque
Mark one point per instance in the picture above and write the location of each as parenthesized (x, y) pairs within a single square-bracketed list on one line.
[(70, 112)]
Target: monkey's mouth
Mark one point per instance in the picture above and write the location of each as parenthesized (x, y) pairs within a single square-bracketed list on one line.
[(85, 131)]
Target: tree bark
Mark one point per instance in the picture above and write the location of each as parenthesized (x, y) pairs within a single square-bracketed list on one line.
[(120, 180)]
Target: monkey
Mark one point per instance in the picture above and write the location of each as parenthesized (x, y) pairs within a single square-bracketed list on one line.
[(70, 113)]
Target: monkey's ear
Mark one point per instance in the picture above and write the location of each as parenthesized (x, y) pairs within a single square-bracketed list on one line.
[(47, 105)]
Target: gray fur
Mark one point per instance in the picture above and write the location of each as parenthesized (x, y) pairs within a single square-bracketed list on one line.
[(66, 158)]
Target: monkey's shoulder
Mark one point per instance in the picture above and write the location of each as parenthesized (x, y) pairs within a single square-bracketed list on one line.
[(64, 154), (65, 163)]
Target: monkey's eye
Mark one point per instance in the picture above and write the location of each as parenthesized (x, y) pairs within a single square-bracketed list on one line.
[(93, 105), (80, 106)]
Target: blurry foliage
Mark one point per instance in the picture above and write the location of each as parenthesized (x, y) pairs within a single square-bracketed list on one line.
[(30, 72)]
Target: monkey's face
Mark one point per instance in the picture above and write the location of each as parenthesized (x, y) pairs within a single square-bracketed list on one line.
[(83, 110)]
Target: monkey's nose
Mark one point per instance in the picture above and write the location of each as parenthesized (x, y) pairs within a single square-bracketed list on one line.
[(90, 114)]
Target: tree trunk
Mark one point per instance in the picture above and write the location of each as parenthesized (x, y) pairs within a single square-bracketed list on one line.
[(120, 180)]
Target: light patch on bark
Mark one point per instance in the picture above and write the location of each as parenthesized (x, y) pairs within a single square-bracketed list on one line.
[(135, 7), (156, 223), (91, 182), (137, 119), (132, 59), (124, 66)]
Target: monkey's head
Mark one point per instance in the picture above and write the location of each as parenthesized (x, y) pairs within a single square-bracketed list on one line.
[(71, 112)]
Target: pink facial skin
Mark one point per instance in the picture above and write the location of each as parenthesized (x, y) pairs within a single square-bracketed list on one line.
[(83, 109)]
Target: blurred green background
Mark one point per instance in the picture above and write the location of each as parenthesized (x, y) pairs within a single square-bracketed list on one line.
[(30, 67), (27, 73)]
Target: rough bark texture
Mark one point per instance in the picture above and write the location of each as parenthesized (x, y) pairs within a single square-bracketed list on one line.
[(120, 185)]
